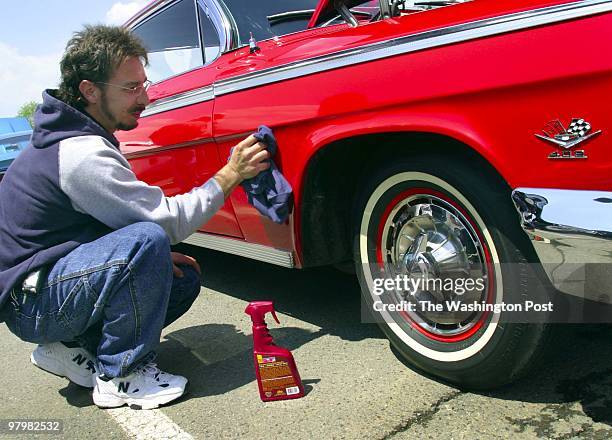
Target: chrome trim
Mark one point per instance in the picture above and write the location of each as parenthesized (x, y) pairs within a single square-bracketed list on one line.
[(162, 6), (230, 28), (424, 237), (290, 14), (155, 150), (565, 210), (569, 144), (196, 8), (211, 9), (571, 231), (346, 14), (242, 248), (385, 8), (147, 13), (228, 34), (416, 42), (196, 96)]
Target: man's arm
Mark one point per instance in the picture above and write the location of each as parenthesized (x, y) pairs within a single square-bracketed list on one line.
[(99, 182)]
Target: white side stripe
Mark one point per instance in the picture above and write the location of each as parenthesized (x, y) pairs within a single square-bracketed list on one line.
[(147, 424)]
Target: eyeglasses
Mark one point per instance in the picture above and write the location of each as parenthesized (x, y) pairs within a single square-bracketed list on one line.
[(135, 90)]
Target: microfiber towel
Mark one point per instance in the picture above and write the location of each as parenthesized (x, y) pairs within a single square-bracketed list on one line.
[(269, 192)]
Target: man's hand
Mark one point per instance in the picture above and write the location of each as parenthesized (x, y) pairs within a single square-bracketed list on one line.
[(246, 161), (248, 158), (183, 259)]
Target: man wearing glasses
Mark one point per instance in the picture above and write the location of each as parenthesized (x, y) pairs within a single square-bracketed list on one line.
[(85, 246)]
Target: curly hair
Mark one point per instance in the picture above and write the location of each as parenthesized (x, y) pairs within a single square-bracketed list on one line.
[(93, 54)]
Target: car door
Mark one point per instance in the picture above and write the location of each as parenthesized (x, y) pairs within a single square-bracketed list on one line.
[(173, 145), (238, 112)]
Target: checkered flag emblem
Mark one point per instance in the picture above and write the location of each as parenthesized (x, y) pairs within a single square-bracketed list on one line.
[(577, 131), (579, 127)]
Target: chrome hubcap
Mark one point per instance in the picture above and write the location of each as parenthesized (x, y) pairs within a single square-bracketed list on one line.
[(431, 243)]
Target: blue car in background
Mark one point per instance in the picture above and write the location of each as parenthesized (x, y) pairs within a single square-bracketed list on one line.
[(15, 135)]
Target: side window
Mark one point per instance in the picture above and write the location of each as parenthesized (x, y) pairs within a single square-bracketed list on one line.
[(210, 38), (172, 41)]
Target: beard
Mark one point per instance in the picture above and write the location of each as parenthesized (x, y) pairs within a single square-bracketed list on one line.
[(119, 125)]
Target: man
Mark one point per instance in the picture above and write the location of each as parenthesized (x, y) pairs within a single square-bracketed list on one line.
[(85, 246)]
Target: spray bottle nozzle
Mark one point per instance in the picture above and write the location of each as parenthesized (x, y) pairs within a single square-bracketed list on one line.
[(258, 309)]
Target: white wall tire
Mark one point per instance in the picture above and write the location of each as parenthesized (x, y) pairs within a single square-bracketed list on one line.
[(477, 352)]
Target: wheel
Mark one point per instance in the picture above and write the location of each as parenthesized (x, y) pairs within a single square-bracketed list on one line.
[(437, 218)]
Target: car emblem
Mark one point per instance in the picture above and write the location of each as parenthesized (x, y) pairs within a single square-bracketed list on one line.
[(577, 132)]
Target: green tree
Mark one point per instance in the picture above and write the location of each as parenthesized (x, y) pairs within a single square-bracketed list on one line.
[(27, 111)]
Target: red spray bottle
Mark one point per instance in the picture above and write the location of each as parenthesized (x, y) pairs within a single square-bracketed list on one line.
[(277, 375)]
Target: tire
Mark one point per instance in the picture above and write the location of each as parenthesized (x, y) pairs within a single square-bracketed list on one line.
[(404, 211)]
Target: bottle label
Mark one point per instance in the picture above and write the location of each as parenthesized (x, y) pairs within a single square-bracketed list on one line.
[(276, 377)]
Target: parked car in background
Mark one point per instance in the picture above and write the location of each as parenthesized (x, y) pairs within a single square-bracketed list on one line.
[(15, 135), (405, 128)]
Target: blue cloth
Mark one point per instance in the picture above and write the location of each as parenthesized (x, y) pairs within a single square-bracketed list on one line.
[(113, 296), (269, 192)]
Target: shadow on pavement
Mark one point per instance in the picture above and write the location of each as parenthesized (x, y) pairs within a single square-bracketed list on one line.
[(206, 353), (323, 296), (574, 380), (218, 358), (578, 369), (76, 395)]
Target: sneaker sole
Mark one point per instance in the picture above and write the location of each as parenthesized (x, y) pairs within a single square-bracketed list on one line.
[(52, 366), (116, 402)]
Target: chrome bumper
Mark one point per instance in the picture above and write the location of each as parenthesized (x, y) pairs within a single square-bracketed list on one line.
[(571, 232)]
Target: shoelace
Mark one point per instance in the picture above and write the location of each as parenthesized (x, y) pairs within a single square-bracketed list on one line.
[(150, 369)]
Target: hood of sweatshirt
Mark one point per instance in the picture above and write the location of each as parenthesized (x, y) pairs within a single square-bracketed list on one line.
[(54, 121)]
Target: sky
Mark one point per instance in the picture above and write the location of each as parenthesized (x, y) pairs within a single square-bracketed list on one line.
[(33, 35)]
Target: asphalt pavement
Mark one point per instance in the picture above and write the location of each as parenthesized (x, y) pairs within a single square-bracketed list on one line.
[(357, 388)]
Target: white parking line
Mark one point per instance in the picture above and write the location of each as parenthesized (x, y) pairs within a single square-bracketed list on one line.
[(147, 424)]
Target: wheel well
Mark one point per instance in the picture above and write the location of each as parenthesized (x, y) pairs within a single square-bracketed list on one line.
[(332, 184)]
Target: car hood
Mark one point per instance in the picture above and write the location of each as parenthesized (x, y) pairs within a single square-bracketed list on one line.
[(325, 10)]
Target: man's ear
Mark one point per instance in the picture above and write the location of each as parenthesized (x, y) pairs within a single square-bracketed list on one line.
[(89, 91)]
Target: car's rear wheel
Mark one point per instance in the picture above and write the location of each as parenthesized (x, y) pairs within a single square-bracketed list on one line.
[(434, 218)]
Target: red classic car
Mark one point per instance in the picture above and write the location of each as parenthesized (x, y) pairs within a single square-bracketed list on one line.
[(412, 132)]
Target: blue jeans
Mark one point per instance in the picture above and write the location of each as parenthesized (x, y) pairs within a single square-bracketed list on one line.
[(113, 296)]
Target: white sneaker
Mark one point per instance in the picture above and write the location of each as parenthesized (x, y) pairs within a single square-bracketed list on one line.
[(76, 364), (146, 388)]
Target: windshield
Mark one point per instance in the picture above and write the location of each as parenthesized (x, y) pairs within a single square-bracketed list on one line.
[(270, 18)]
